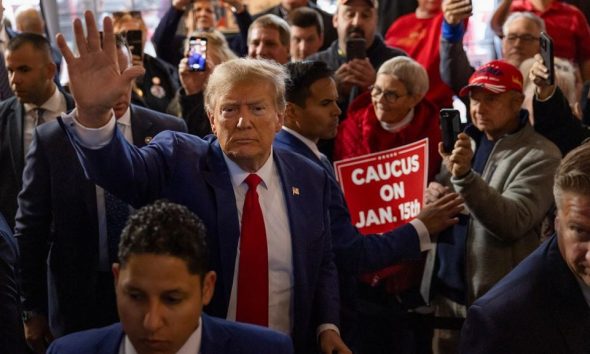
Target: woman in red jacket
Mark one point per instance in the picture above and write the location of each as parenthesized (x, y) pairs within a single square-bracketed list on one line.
[(393, 113)]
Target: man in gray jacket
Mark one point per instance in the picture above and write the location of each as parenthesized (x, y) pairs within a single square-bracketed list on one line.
[(504, 171)]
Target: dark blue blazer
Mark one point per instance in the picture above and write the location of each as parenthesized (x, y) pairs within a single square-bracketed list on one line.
[(537, 308), (12, 157), (218, 337), (57, 224), (12, 339), (191, 171), (354, 252)]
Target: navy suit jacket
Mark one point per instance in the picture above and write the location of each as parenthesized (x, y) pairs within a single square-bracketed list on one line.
[(57, 224), (537, 308), (12, 339), (12, 157), (190, 171), (218, 337), (354, 252)]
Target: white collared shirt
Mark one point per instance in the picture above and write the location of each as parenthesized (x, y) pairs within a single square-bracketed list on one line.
[(191, 346), (308, 142), (54, 106), (278, 240), (124, 125), (395, 127)]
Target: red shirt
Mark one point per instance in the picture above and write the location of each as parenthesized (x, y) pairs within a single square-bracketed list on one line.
[(566, 25), (361, 132), (420, 38)]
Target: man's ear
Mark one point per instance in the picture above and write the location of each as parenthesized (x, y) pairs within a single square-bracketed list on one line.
[(208, 286), (116, 269), (212, 122)]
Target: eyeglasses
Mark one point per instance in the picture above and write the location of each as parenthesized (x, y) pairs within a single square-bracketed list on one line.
[(390, 96), (528, 38)]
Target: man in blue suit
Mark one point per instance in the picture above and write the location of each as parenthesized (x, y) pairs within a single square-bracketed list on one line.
[(12, 339), (312, 114), (543, 305), (162, 282), (64, 223), (215, 178)]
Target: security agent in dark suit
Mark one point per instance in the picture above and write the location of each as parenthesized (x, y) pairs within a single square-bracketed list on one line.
[(214, 178), (12, 339), (163, 280), (31, 70), (312, 114), (543, 305), (65, 225)]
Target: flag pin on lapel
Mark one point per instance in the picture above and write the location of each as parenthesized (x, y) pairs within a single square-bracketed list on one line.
[(295, 191), (147, 139)]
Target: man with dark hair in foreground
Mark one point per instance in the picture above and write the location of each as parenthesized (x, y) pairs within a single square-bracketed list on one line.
[(162, 282)]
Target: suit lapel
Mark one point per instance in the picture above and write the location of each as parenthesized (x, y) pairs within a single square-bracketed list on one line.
[(227, 216), (572, 316), (16, 136), (214, 338), (140, 127), (294, 189)]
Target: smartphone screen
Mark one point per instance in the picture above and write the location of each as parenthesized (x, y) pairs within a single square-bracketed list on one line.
[(547, 53), (197, 53), (356, 49), (450, 126), (135, 42)]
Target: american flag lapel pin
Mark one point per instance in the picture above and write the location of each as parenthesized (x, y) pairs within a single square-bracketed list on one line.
[(295, 191)]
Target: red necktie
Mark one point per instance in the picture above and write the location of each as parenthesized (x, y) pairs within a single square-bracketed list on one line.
[(252, 306)]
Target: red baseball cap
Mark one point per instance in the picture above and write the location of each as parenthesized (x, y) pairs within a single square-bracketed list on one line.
[(372, 3), (496, 76)]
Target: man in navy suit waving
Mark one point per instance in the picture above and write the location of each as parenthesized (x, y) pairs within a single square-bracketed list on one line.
[(266, 211), (162, 283)]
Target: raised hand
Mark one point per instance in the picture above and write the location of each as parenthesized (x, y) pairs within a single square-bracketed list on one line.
[(96, 81), (458, 162), (456, 11)]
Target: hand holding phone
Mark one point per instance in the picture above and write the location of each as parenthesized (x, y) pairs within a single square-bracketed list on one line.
[(546, 47), (356, 48), (135, 42), (450, 126), (197, 54)]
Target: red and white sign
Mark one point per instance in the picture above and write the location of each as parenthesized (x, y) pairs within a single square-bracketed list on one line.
[(385, 189)]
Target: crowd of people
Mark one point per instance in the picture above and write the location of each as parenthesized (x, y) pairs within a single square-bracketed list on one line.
[(150, 206)]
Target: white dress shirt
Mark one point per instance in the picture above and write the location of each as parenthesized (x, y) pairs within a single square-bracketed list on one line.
[(278, 241), (585, 290), (124, 125), (191, 346), (53, 107)]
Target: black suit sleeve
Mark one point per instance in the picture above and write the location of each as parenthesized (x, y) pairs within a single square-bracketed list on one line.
[(33, 227), (167, 44), (11, 329)]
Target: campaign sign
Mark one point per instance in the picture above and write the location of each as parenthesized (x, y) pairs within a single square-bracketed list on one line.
[(384, 190)]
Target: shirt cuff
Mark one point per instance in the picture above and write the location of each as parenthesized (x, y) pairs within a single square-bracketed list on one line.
[(423, 235), (94, 138), (452, 33), (326, 326)]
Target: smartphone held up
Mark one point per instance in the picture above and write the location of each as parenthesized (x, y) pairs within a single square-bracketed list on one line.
[(450, 126), (197, 53)]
